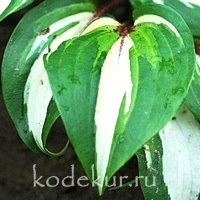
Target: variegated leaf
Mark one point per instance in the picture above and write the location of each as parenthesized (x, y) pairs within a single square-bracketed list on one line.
[(122, 87), (171, 160), (188, 9), (75, 84), (9, 6), (26, 89)]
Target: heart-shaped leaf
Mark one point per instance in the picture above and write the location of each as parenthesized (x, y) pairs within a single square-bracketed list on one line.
[(7, 7), (116, 87), (169, 162), (188, 9), (161, 45), (26, 89), (74, 78)]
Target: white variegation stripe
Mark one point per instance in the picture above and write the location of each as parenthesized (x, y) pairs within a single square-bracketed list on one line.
[(157, 20), (23, 2), (198, 64), (148, 156), (190, 3), (20, 4), (37, 94), (37, 97), (115, 83), (159, 1), (83, 19), (181, 158), (103, 21), (4, 5)]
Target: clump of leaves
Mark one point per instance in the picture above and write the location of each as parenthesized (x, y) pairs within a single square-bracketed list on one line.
[(121, 89)]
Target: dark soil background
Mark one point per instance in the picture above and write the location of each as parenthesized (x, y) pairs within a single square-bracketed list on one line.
[(16, 160)]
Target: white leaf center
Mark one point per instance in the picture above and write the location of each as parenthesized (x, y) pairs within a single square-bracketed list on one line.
[(181, 167), (4, 5), (115, 84)]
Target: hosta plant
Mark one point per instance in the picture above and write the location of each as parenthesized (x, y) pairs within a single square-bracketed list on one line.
[(122, 88)]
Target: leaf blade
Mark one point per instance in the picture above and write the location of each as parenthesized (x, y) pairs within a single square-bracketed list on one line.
[(40, 36), (79, 90), (8, 7), (174, 159), (160, 81), (193, 99), (185, 8)]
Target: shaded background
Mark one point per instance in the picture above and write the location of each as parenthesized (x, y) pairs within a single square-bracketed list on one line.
[(16, 160)]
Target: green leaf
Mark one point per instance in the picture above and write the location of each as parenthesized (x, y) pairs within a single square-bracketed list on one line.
[(162, 59), (74, 72), (188, 9), (193, 98), (27, 94), (9, 6), (172, 158), (151, 169), (116, 90)]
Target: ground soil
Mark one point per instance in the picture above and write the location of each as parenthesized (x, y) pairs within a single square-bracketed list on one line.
[(17, 161)]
